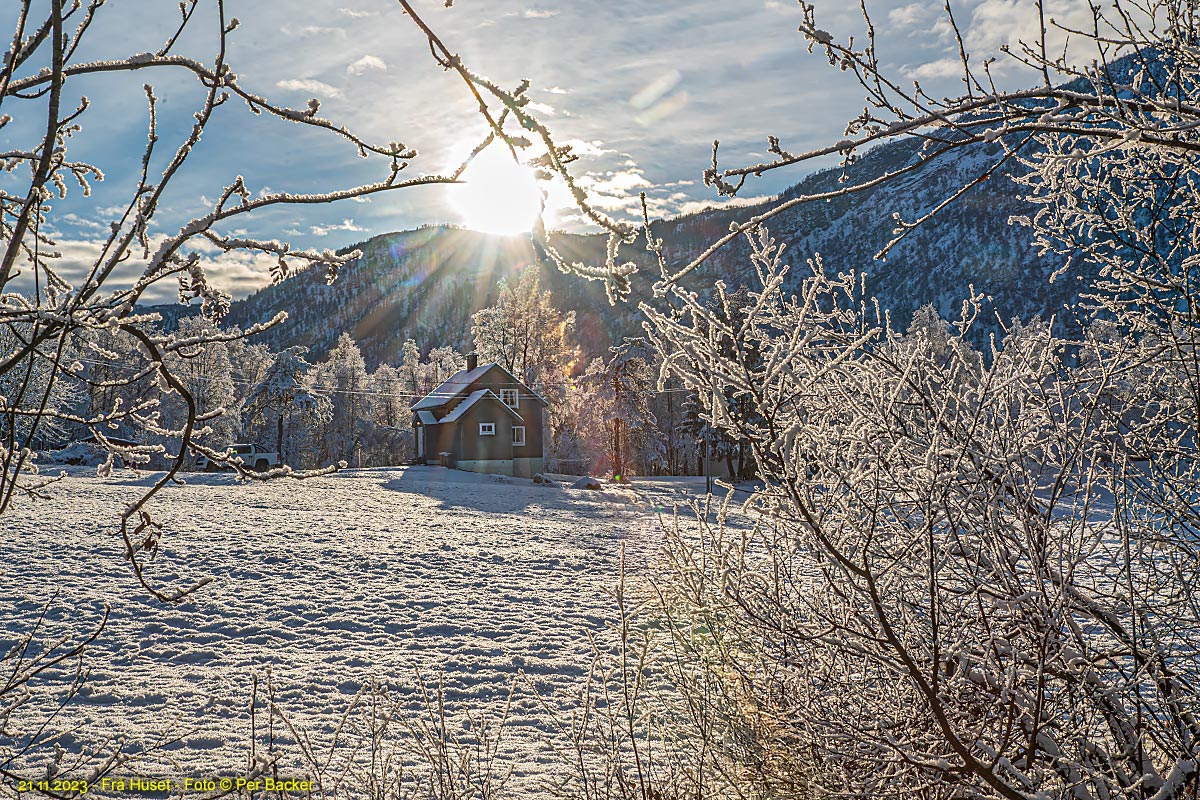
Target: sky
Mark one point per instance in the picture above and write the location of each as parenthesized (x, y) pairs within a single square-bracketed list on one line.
[(640, 89)]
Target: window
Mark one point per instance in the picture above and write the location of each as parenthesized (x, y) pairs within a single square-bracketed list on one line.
[(518, 434), (510, 398), (487, 429)]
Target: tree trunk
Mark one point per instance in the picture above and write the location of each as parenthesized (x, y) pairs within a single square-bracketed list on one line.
[(279, 437), (616, 460)]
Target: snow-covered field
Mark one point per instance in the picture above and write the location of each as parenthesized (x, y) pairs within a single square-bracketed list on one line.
[(326, 583)]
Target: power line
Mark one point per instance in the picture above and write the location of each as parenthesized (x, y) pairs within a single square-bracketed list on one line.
[(569, 387)]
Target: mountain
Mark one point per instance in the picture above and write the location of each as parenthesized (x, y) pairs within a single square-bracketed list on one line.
[(425, 284)]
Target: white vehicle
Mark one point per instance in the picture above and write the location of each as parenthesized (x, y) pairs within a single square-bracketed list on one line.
[(251, 455)]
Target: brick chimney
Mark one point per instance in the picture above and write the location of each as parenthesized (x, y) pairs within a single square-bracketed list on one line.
[(472, 361)]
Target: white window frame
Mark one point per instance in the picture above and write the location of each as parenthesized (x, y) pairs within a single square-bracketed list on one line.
[(505, 394), (518, 442), (487, 429)]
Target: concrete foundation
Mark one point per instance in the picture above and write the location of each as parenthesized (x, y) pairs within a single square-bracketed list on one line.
[(528, 467), (488, 466)]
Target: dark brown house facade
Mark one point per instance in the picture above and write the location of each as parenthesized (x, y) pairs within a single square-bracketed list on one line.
[(482, 419)]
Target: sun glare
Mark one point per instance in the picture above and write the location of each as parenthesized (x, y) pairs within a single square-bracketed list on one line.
[(497, 194)]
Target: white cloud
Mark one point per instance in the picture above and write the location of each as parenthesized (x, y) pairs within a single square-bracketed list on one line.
[(78, 221), (344, 225), (997, 22), (541, 108), (239, 272), (613, 191), (941, 68), (313, 30), (536, 13), (907, 16), (355, 13), (366, 64), (593, 148), (622, 181), (308, 85)]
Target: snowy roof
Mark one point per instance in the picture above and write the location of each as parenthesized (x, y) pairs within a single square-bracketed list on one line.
[(471, 400), (450, 388), (459, 382), (427, 418)]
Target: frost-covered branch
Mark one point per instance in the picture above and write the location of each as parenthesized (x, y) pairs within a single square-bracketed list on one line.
[(1136, 88), (938, 594)]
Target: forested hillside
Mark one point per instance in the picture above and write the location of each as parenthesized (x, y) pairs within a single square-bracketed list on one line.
[(425, 284)]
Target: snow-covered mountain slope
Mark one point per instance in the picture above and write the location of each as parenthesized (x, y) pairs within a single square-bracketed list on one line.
[(425, 284)]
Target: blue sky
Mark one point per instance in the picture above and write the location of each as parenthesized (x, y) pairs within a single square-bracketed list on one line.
[(640, 88)]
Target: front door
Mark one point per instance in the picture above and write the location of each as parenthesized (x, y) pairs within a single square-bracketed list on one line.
[(420, 441)]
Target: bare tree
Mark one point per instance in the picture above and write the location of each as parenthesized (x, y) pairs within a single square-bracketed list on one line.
[(953, 588), (965, 578)]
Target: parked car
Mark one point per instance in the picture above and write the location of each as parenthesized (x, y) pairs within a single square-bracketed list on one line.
[(251, 455)]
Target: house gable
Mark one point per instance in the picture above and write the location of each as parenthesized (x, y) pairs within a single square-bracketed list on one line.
[(464, 383), (476, 397)]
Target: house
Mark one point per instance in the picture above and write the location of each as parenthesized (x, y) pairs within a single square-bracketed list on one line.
[(482, 419)]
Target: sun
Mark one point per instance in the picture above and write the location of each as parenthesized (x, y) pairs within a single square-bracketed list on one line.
[(497, 194)]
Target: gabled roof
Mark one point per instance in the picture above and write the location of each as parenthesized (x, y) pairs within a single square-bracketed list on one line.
[(450, 388), (457, 384), (427, 418), (472, 399)]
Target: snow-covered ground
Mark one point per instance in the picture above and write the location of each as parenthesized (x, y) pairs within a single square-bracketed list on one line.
[(327, 583)]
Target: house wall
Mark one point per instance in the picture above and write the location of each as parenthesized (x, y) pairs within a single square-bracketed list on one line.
[(486, 448), (531, 412), (529, 409), (439, 439)]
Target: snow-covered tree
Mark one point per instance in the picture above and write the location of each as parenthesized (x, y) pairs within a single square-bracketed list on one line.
[(442, 363), (617, 398), (122, 391), (30, 391), (939, 583), (286, 400), (411, 373), (206, 370), (389, 401), (391, 435), (343, 379), (525, 333), (249, 362)]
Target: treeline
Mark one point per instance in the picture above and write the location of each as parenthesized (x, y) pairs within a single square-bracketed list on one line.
[(607, 415)]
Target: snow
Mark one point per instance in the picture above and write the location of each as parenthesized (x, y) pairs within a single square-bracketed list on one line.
[(326, 583), (451, 388), (472, 399)]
